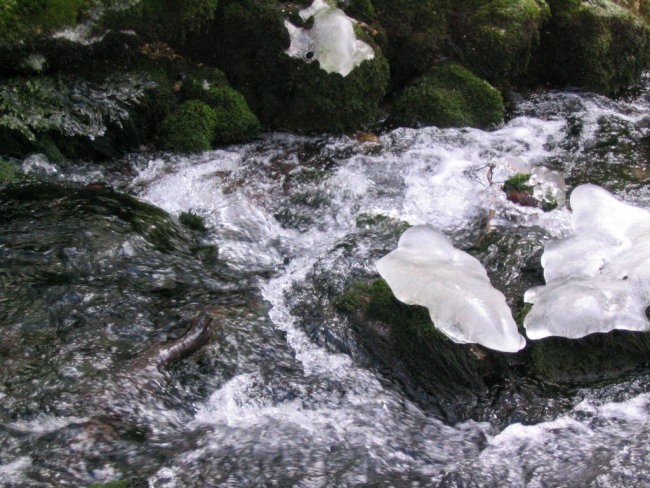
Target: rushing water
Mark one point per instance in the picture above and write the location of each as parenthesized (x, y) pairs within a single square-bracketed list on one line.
[(280, 397)]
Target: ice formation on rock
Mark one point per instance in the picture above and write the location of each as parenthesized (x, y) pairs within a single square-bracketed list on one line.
[(597, 278), (331, 41), (427, 270)]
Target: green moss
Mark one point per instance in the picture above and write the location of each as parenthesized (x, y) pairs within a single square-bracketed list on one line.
[(189, 128), (449, 96), (284, 92), (8, 172), (597, 356), (168, 20), (522, 311), (22, 19), (416, 32), (111, 484), (518, 182), (234, 120), (598, 46), (499, 37), (192, 221), (375, 301), (360, 9)]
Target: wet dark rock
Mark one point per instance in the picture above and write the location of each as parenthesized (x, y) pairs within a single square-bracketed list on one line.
[(96, 291), (459, 381)]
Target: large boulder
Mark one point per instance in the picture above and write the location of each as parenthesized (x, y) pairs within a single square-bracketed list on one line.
[(598, 46), (285, 92), (499, 37)]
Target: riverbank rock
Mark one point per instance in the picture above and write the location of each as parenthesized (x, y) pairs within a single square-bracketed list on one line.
[(449, 96), (86, 109), (598, 46), (284, 92)]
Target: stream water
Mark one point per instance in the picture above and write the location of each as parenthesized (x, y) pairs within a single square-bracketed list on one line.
[(90, 279)]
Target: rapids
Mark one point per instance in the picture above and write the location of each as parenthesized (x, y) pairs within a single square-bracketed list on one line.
[(279, 397)]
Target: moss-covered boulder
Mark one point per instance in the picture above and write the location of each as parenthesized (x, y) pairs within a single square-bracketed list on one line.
[(596, 45), (434, 369), (161, 20), (234, 121), (189, 128), (20, 19), (597, 357), (449, 96), (8, 173), (499, 37), (284, 92), (416, 34)]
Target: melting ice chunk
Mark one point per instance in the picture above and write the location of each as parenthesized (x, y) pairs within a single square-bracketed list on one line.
[(331, 41), (427, 270), (597, 278)]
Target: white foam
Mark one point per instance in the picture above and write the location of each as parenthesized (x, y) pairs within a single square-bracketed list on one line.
[(11, 473)]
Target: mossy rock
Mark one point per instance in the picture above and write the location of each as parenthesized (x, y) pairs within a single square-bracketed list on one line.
[(234, 121), (598, 46), (192, 221), (162, 20), (284, 92), (360, 10), (21, 20), (449, 96), (403, 339), (499, 37), (189, 128), (8, 173), (416, 35), (518, 182), (597, 357)]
